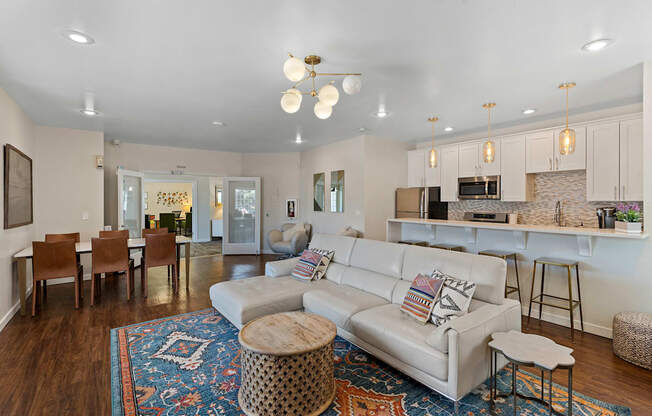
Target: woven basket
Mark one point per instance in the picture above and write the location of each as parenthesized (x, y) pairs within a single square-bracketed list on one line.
[(632, 338)]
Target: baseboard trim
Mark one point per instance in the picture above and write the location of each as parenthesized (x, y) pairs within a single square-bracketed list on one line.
[(590, 328), (13, 311)]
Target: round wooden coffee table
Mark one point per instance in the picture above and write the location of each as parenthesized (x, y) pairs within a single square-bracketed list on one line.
[(287, 365)]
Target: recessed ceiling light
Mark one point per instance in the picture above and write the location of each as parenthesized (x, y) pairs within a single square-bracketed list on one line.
[(78, 37), (529, 111), (89, 112), (596, 45), (218, 123), (362, 129), (449, 128)]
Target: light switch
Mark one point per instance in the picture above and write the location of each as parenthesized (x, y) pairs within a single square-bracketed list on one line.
[(85, 215)]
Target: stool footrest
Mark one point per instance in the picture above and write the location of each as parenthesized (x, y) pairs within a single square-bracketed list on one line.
[(576, 303)]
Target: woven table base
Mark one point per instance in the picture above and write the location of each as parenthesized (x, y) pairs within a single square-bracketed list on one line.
[(301, 384)]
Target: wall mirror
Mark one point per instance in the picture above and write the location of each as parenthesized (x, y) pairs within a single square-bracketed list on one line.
[(319, 191), (337, 191)]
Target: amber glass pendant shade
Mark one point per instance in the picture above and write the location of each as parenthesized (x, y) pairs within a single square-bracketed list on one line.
[(566, 141), (432, 161), (489, 151)]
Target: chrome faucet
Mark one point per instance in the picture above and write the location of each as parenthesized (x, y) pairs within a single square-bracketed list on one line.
[(558, 213)]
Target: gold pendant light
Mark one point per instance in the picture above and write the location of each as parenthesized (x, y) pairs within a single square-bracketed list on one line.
[(489, 148), (432, 160), (567, 136)]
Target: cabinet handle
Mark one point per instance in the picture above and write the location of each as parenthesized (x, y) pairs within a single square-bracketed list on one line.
[(623, 195), (615, 193), (550, 162)]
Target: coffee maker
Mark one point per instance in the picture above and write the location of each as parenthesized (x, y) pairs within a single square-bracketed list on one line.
[(606, 217)]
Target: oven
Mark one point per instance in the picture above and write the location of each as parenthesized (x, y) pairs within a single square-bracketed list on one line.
[(479, 187)]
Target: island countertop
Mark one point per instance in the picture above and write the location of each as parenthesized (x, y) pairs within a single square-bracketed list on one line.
[(545, 229)]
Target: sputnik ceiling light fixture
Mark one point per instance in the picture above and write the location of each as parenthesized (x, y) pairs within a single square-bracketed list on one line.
[(327, 96), (489, 148), (432, 160), (566, 136)]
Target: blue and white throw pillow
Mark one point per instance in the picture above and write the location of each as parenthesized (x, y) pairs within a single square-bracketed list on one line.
[(454, 298)]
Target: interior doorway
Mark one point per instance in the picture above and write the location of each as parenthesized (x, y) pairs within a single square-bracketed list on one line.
[(169, 202)]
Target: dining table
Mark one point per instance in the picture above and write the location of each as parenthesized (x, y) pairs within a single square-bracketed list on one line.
[(84, 247)]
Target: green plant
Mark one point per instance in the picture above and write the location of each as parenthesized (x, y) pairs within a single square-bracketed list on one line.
[(628, 213)]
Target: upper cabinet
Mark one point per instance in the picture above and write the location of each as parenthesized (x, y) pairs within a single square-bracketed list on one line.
[(514, 182), (471, 160), (631, 160), (416, 167), (602, 162), (449, 172), (542, 152)]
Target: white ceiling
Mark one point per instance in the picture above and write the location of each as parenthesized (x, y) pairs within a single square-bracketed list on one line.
[(162, 71)]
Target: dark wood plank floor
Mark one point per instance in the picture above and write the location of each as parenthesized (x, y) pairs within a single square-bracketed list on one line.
[(59, 362)]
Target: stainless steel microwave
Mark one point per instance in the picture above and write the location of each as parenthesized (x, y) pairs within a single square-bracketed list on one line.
[(479, 187)]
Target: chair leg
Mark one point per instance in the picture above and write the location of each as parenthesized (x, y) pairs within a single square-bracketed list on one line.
[(570, 302), (174, 279), (45, 291), (81, 284), (145, 284), (543, 278), (579, 294), (77, 290), (518, 284), (168, 273), (534, 276), (129, 273), (93, 276), (34, 292)]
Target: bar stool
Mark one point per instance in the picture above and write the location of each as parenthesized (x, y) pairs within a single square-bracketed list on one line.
[(414, 243), (450, 247), (572, 304), (505, 255)]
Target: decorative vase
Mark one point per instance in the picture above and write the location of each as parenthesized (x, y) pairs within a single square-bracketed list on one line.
[(628, 227)]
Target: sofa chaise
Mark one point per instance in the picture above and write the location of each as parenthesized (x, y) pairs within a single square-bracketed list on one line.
[(362, 293)]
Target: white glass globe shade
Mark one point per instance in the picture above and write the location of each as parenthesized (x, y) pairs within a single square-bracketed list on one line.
[(352, 84), (323, 111), (294, 69), (291, 101), (328, 95)]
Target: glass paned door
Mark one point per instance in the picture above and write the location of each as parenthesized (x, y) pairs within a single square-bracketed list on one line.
[(241, 215), (131, 213)]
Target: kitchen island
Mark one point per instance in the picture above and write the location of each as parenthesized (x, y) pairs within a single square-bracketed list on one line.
[(425, 229)]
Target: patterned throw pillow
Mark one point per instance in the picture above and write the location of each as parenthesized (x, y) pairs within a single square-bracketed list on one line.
[(454, 298), (307, 266), (326, 257), (420, 299)]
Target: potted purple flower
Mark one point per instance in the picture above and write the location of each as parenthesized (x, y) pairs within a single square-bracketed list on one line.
[(628, 218)]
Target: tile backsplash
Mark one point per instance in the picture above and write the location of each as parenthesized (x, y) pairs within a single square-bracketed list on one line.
[(550, 187)]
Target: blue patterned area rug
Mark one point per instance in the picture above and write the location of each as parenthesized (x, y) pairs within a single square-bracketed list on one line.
[(189, 365)]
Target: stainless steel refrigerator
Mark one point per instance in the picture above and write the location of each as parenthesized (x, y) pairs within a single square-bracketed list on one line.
[(420, 203)]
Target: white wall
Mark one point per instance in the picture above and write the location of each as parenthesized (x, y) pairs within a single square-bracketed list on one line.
[(280, 180), (349, 156), (153, 188), (16, 129), (385, 170), (69, 194)]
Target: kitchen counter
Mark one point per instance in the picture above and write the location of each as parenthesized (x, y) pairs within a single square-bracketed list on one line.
[(584, 235)]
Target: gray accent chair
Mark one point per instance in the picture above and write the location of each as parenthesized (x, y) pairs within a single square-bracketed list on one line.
[(292, 246)]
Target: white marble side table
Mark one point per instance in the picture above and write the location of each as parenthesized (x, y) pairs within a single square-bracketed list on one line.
[(531, 350)]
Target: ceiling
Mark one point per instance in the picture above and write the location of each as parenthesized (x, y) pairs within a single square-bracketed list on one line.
[(161, 72)]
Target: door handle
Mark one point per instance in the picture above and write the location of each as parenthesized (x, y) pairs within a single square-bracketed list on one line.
[(550, 162), (556, 162)]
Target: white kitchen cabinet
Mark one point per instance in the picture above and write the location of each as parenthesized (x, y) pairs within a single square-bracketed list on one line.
[(631, 160), (471, 160), (515, 184), (493, 168), (538, 152), (433, 175), (449, 173), (603, 162), (468, 160), (577, 159), (416, 168)]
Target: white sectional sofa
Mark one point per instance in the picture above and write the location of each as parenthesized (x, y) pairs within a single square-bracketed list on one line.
[(362, 293)]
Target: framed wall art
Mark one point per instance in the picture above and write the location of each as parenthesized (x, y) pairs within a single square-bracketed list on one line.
[(18, 191)]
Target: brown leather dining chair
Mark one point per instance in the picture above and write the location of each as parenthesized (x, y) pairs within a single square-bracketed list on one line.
[(160, 250), (52, 260), (150, 231), (53, 238), (114, 234), (110, 255)]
